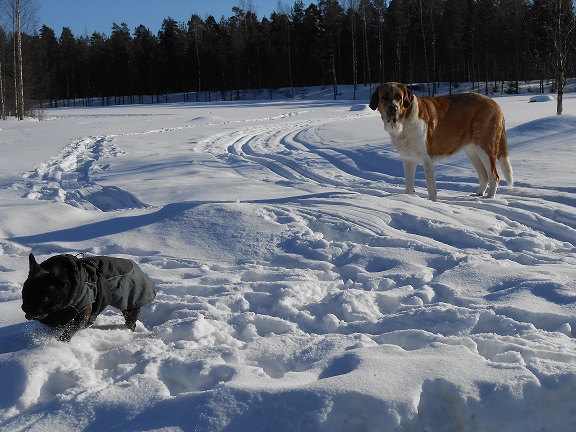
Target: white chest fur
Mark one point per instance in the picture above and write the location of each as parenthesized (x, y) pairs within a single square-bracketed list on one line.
[(408, 135)]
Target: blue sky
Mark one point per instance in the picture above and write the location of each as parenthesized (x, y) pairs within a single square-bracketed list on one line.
[(84, 17)]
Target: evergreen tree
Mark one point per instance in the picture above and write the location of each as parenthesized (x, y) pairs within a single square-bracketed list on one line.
[(120, 47), (324, 43), (172, 54), (67, 65), (144, 54)]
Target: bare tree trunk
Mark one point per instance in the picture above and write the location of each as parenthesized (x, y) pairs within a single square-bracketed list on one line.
[(559, 29), (286, 33), (427, 70), (560, 83), (381, 9), (366, 47), (352, 6), (289, 49), (15, 72), (2, 96), (17, 60), (196, 37), (19, 79), (20, 65), (334, 82), (2, 85), (433, 47)]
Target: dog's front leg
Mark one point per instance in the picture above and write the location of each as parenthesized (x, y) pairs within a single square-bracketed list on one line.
[(430, 178), (79, 322), (409, 175), (131, 316)]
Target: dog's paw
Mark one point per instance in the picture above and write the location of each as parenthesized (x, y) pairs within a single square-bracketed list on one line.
[(65, 337), (131, 317)]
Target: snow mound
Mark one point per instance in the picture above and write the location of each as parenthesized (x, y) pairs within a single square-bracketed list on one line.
[(541, 98), (359, 107), (543, 127)]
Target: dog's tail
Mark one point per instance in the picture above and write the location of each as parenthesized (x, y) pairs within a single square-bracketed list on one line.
[(504, 160)]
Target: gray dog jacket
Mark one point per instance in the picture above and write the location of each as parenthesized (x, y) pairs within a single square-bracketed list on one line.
[(100, 281)]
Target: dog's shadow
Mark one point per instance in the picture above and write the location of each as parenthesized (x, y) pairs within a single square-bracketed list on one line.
[(21, 336), (17, 337)]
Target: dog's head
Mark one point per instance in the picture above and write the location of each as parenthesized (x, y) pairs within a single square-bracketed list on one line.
[(44, 291), (392, 100)]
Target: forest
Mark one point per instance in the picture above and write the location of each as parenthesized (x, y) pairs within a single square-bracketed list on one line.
[(495, 43)]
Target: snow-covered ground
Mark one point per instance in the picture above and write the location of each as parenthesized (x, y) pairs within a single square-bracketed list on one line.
[(299, 288)]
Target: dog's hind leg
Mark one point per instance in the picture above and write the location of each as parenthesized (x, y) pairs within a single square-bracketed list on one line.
[(479, 167), (489, 163), (131, 316)]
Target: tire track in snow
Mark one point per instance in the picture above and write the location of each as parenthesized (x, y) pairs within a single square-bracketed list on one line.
[(284, 165), (278, 148)]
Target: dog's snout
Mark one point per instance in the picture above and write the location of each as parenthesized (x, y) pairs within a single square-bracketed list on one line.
[(392, 109)]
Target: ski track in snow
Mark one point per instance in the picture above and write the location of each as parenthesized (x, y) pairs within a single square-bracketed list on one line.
[(71, 177), (339, 274)]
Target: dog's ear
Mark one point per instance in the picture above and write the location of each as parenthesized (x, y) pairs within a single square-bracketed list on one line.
[(408, 98), (374, 100), (34, 267)]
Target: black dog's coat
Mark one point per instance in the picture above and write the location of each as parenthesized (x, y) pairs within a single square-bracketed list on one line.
[(68, 293)]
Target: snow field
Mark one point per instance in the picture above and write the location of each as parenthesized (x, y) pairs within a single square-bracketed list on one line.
[(299, 288)]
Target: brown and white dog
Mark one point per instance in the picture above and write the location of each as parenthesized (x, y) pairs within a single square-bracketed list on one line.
[(425, 129)]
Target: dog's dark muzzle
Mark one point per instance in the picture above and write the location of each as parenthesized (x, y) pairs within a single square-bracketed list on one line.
[(392, 113), (34, 312), (34, 316)]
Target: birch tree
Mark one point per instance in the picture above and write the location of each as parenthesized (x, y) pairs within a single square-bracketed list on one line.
[(381, 7), (559, 27), (18, 64), (195, 32), (2, 91), (352, 7), (20, 15), (331, 26), (286, 31), (367, 74)]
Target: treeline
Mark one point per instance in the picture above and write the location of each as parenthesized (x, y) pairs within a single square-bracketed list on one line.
[(493, 42)]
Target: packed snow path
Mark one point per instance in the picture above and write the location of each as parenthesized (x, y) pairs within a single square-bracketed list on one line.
[(299, 288)]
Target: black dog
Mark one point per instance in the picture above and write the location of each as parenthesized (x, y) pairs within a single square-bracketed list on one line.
[(68, 293)]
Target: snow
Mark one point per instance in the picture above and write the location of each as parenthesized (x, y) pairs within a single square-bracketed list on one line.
[(299, 288), (541, 98)]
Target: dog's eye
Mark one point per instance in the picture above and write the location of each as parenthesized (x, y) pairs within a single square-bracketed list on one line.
[(397, 96), (44, 300)]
